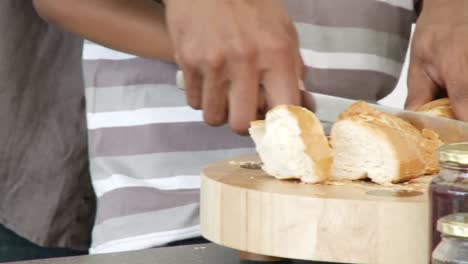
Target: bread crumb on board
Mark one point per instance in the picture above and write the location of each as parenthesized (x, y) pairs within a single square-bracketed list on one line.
[(416, 184), (253, 165)]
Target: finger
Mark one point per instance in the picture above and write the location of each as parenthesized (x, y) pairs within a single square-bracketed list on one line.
[(214, 96), (308, 101), (262, 104), (299, 62), (458, 95), (243, 102), (460, 106), (300, 68), (421, 88), (193, 87), (281, 85)]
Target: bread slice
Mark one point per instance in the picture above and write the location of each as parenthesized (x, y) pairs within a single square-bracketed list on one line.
[(292, 145), (440, 108), (380, 146)]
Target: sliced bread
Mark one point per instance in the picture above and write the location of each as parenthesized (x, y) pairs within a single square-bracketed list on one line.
[(370, 144), (292, 145)]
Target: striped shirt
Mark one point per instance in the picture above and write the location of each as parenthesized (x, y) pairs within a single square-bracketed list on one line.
[(147, 146)]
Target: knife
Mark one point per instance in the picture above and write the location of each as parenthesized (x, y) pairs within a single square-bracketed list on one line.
[(328, 108)]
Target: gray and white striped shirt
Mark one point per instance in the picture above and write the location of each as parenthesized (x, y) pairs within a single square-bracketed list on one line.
[(147, 146)]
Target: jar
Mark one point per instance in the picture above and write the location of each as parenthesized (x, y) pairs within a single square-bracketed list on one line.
[(449, 190), (453, 249)]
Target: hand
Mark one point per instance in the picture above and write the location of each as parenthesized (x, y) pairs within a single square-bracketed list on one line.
[(228, 50), (439, 56)]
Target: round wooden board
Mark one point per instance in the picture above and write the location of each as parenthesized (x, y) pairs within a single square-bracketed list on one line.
[(350, 222)]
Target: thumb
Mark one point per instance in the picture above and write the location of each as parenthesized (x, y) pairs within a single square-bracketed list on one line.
[(421, 88)]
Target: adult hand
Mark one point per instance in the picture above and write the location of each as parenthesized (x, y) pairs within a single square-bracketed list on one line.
[(439, 56), (228, 50)]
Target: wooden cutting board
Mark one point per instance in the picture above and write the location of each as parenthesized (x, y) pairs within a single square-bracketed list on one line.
[(350, 222)]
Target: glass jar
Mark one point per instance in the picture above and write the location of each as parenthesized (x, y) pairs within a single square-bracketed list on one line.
[(449, 190), (453, 249)]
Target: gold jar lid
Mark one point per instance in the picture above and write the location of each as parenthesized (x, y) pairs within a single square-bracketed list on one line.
[(454, 225), (456, 153)]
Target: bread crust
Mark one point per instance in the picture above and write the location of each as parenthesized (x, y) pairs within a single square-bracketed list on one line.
[(257, 123), (439, 108), (315, 141), (414, 150)]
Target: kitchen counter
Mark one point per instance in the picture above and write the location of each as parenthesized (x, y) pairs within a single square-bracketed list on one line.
[(196, 254)]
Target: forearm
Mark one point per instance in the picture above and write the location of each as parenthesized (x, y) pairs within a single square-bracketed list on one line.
[(132, 26)]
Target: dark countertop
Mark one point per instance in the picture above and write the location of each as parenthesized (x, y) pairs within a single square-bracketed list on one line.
[(196, 254)]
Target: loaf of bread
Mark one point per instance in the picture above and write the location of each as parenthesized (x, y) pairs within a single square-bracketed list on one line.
[(367, 143), (439, 108), (292, 145)]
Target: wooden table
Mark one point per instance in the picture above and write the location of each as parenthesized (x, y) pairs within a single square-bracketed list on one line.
[(193, 254)]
